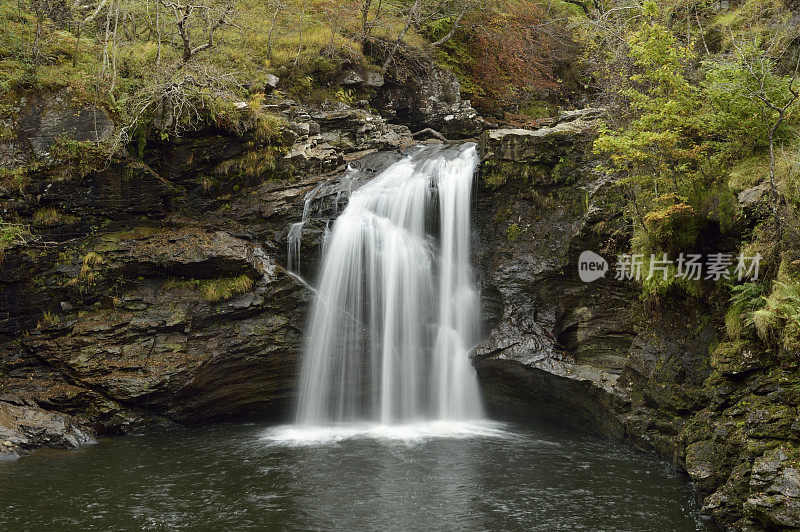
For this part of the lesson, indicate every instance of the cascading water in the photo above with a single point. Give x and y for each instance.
(396, 311)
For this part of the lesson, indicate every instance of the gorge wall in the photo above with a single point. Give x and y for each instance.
(597, 356)
(156, 296)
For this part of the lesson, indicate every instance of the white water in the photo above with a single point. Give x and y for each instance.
(396, 312)
(407, 433)
(343, 187)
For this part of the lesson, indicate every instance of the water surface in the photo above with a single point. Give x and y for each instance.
(485, 476)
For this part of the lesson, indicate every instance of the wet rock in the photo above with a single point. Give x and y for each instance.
(768, 420)
(170, 352)
(24, 427)
(586, 354)
(323, 199)
(703, 463)
(556, 345)
(775, 490)
(533, 147)
(314, 155)
(422, 95)
(735, 359)
(126, 189)
(183, 159)
(188, 252)
(164, 301)
(519, 380)
(327, 135)
(43, 120)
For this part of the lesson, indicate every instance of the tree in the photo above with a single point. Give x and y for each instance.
(84, 12)
(278, 7)
(660, 141)
(429, 12)
(42, 9)
(366, 27)
(775, 95)
(515, 51)
(203, 16)
(755, 86)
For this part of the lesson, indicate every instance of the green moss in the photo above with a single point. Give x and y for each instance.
(213, 290)
(50, 216)
(79, 157)
(10, 234)
(496, 173)
(538, 109)
(513, 232)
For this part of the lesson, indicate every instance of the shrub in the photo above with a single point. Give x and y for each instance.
(672, 229)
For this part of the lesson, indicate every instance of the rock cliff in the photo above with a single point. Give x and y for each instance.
(595, 356)
(152, 292)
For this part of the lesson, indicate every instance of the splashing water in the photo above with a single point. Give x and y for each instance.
(396, 312)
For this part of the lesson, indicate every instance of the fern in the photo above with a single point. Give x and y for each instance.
(778, 321)
(746, 300)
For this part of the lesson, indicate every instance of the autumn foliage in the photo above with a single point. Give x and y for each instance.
(513, 52)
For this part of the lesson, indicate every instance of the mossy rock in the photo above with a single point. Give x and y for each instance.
(737, 358)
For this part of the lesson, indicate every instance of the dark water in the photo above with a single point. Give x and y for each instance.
(491, 477)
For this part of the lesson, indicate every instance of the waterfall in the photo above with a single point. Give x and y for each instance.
(395, 311)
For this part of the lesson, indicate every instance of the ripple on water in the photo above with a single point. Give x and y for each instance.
(432, 476)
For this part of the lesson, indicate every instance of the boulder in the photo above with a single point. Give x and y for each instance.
(755, 201)
(537, 145)
(350, 77)
(271, 82)
(373, 80)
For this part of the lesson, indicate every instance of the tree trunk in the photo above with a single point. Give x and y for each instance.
(77, 43)
(158, 32)
(409, 21)
(114, 50)
(773, 188)
(365, 29)
(300, 36)
(278, 9)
